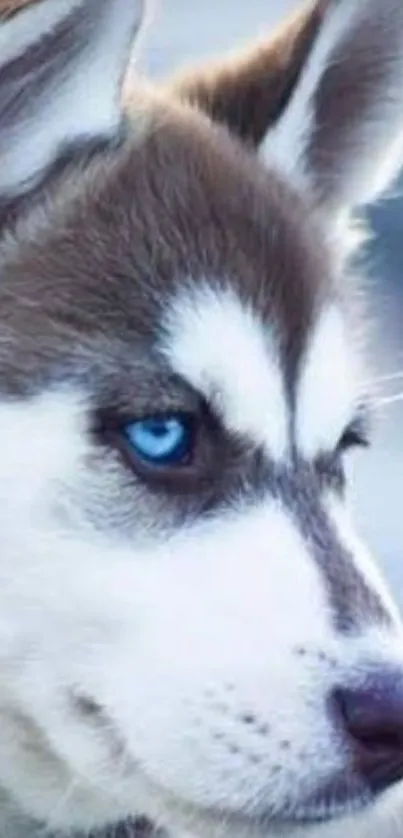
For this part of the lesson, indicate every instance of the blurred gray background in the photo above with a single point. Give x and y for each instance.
(183, 31)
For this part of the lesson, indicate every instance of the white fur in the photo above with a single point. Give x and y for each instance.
(176, 640)
(329, 391)
(222, 348)
(85, 104)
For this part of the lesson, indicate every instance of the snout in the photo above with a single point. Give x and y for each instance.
(367, 723)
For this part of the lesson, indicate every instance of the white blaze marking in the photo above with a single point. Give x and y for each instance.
(327, 394)
(218, 344)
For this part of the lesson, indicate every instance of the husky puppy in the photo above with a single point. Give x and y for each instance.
(190, 629)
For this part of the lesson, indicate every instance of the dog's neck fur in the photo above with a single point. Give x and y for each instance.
(14, 824)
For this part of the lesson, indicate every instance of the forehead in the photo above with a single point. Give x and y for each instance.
(185, 202)
(185, 247)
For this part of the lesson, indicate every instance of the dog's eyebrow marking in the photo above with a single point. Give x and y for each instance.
(328, 395)
(216, 342)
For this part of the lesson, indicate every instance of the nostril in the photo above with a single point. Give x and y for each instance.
(366, 723)
(372, 718)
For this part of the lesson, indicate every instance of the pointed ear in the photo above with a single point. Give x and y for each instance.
(342, 131)
(62, 63)
(248, 90)
(329, 93)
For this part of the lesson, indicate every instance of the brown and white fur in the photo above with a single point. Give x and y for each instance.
(170, 638)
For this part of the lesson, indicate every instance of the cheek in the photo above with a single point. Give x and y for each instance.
(228, 606)
(230, 599)
(237, 582)
(218, 678)
(181, 644)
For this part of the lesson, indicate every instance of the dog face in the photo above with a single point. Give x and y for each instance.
(189, 625)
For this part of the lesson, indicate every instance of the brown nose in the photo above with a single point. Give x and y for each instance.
(373, 720)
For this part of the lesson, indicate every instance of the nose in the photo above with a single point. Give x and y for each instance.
(372, 717)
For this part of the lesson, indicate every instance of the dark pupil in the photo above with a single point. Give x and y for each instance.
(158, 427)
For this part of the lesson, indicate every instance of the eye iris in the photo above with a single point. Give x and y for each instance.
(160, 440)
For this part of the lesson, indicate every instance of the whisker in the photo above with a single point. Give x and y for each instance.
(392, 376)
(388, 400)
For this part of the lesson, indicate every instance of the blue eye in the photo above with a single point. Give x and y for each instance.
(160, 440)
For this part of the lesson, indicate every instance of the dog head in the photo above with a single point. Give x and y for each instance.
(189, 627)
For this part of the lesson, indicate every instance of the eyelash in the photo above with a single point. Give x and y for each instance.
(355, 436)
(331, 468)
